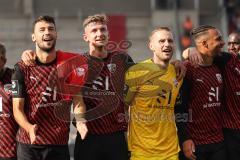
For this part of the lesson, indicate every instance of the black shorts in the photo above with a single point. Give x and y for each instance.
(42, 152)
(215, 151)
(101, 147)
(8, 158)
(232, 140)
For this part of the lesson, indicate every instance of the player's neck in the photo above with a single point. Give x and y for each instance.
(45, 57)
(99, 52)
(207, 60)
(161, 63)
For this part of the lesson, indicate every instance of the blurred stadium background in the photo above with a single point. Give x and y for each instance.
(130, 20)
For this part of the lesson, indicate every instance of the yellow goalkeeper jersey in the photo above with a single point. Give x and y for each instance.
(152, 94)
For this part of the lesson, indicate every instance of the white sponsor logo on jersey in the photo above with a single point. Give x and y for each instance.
(199, 80)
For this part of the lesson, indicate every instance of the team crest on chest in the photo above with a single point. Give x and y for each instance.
(8, 88)
(112, 67)
(219, 77)
(80, 71)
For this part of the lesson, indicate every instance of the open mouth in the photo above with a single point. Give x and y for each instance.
(167, 51)
(47, 40)
(100, 40)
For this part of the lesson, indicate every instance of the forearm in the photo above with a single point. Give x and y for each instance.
(79, 108)
(19, 115)
(182, 115)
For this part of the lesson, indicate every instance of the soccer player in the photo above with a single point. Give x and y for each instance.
(152, 92)
(37, 104)
(230, 66)
(102, 100)
(8, 125)
(202, 138)
(234, 43)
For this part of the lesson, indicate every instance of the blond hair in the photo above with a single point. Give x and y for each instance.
(97, 18)
(158, 29)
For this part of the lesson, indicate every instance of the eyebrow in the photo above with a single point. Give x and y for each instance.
(218, 37)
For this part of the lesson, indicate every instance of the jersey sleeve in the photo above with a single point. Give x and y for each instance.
(18, 84)
(131, 85)
(129, 62)
(182, 112)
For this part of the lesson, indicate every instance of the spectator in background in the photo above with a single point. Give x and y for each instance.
(187, 27)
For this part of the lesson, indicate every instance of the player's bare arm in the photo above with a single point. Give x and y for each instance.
(192, 55)
(21, 119)
(79, 112)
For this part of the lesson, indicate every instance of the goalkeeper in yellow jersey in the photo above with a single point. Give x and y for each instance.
(152, 89)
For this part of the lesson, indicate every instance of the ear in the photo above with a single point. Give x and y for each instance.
(150, 46)
(33, 38)
(205, 44)
(85, 37)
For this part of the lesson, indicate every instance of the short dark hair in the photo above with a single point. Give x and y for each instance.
(45, 18)
(2, 49)
(101, 18)
(201, 30)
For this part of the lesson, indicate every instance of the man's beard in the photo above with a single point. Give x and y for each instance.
(166, 60)
(48, 50)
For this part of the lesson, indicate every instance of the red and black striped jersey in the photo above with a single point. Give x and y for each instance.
(8, 125)
(231, 72)
(103, 93)
(203, 104)
(46, 103)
